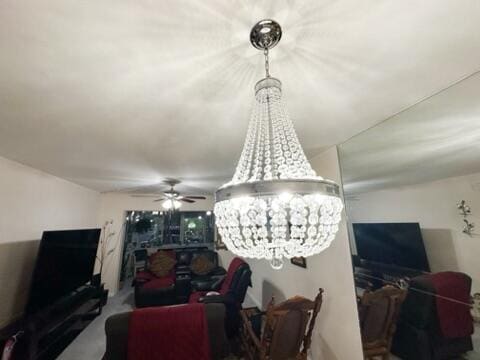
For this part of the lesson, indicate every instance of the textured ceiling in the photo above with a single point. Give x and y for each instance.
(117, 94)
(436, 139)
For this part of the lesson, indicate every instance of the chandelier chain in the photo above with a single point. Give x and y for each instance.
(273, 170)
(267, 64)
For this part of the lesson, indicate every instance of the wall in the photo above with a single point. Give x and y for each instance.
(337, 333)
(433, 205)
(31, 202)
(113, 207)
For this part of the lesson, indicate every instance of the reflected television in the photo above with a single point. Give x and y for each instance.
(397, 244)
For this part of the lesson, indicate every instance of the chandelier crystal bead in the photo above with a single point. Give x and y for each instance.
(275, 206)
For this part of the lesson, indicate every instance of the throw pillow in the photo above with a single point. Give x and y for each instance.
(202, 265)
(161, 263)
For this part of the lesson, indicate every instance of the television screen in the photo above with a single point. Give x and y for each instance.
(65, 262)
(398, 244)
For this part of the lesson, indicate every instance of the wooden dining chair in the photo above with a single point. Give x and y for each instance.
(285, 330)
(378, 312)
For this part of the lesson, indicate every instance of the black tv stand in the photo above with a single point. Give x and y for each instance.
(48, 332)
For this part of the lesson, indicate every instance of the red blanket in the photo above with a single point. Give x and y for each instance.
(169, 333)
(453, 297)
(234, 264)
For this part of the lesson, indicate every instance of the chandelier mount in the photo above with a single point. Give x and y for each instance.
(265, 34)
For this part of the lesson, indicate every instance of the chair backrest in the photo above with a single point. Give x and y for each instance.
(185, 256)
(209, 254)
(289, 325)
(237, 280)
(379, 312)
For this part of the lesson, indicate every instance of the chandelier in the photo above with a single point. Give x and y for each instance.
(275, 206)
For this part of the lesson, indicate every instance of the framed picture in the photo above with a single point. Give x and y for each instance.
(299, 261)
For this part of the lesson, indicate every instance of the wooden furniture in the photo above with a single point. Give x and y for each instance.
(285, 329)
(378, 311)
(48, 332)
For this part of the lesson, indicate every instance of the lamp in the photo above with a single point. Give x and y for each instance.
(275, 206)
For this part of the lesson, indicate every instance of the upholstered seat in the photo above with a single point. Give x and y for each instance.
(152, 290)
(235, 283)
(232, 290)
(117, 332)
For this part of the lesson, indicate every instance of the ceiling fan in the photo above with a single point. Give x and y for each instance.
(172, 199)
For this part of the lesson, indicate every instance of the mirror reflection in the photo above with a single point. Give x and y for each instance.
(412, 196)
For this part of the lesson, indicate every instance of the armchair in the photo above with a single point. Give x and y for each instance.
(231, 289)
(233, 285)
(151, 290)
(419, 334)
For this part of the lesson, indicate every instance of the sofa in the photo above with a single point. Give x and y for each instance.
(117, 330)
(175, 287)
(419, 333)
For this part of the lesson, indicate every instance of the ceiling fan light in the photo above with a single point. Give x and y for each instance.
(171, 204)
(176, 204)
(167, 204)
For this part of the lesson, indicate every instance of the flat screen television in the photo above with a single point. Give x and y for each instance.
(65, 262)
(398, 244)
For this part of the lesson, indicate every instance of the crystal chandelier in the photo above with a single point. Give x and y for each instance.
(275, 206)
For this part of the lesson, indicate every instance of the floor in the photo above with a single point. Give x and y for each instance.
(90, 344)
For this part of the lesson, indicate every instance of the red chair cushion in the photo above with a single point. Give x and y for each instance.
(144, 275)
(159, 283)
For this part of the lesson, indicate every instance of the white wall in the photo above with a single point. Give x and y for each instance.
(433, 205)
(337, 333)
(113, 207)
(31, 202)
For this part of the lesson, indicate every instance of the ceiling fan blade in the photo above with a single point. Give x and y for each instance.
(187, 200)
(195, 197)
(161, 199)
(144, 195)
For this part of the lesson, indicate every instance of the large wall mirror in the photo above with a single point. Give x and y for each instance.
(412, 196)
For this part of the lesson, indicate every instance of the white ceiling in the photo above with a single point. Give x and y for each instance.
(435, 139)
(115, 94)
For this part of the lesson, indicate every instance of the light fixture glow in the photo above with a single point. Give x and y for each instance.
(171, 204)
(275, 206)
